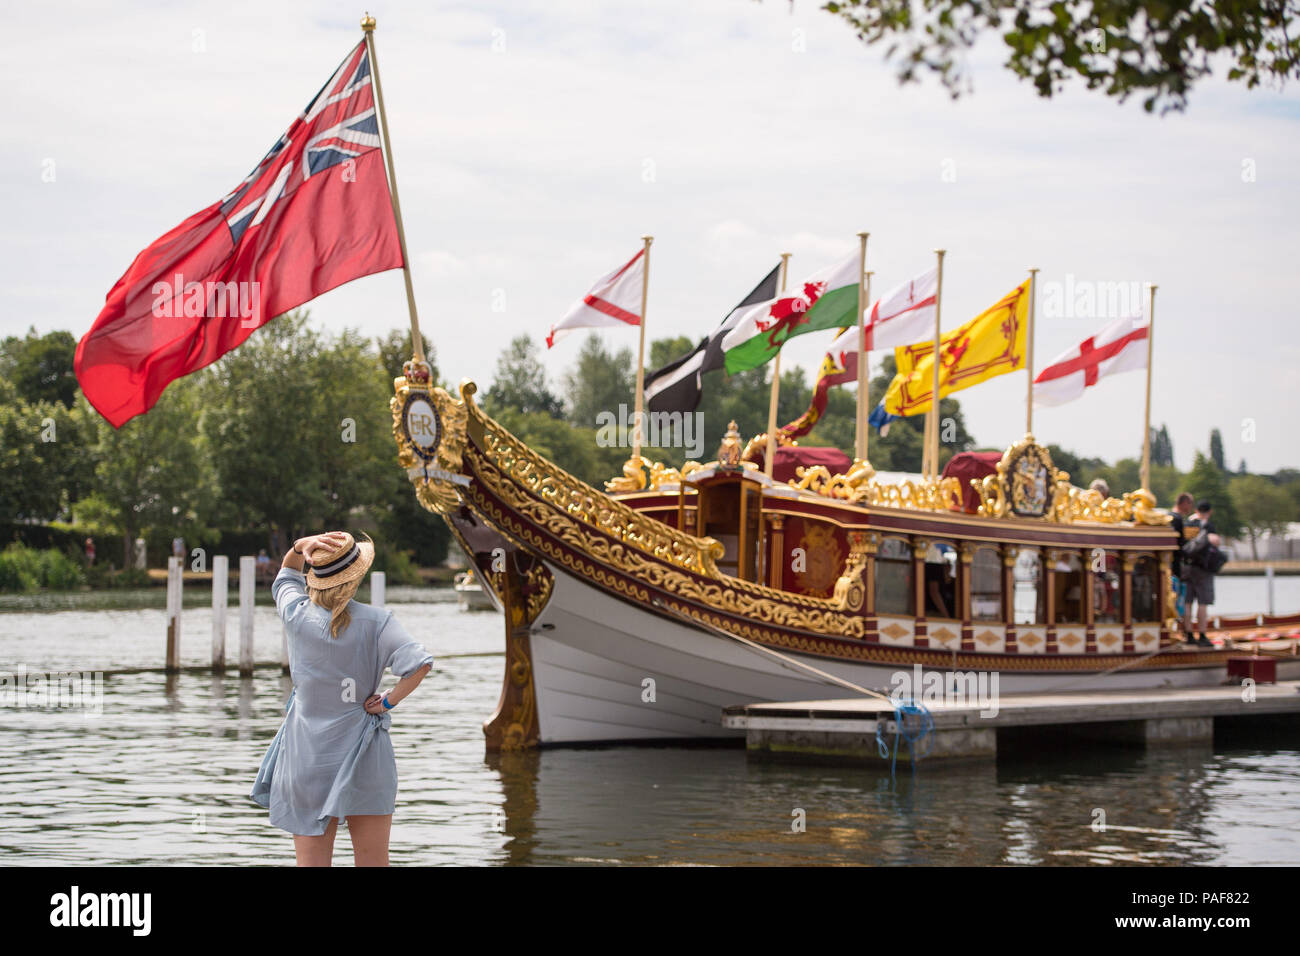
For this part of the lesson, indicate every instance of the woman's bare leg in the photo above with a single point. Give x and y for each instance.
(370, 838)
(316, 850)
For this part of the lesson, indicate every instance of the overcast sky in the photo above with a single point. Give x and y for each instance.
(537, 141)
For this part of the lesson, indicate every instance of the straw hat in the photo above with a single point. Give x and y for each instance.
(341, 565)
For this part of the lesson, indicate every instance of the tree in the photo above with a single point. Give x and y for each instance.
(1261, 507)
(520, 382)
(41, 366)
(150, 473)
(1206, 481)
(1216, 450)
(600, 381)
(1158, 50)
(395, 349)
(1162, 448)
(47, 455)
(299, 428)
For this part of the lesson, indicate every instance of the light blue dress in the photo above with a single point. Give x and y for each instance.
(330, 758)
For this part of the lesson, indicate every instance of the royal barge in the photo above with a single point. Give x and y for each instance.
(637, 613)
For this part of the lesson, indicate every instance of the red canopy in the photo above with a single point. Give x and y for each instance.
(966, 465)
(789, 458)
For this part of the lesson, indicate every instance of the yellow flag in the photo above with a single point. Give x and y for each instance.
(992, 343)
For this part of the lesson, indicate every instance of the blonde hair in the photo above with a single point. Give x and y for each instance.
(335, 600)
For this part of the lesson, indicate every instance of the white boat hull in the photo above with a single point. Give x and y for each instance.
(606, 670)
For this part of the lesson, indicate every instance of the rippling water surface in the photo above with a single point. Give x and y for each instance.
(161, 776)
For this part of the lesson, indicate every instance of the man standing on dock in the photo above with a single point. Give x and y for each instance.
(1200, 580)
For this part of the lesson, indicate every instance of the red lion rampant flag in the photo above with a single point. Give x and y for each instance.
(315, 213)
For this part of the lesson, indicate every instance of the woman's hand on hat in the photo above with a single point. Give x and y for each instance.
(330, 539)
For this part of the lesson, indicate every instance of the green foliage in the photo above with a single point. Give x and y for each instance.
(600, 381)
(520, 382)
(151, 471)
(24, 569)
(1157, 50)
(1261, 507)
(397, 565)
(47, 455)
(1206, 480)
(40, 367)
(1162, 447)
(1216, 450)
(298, 428)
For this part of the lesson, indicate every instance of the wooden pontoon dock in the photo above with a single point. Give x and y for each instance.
(847, 729)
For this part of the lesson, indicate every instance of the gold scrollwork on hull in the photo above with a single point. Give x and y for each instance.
(641, 474)
(552, 491)
(731, 595)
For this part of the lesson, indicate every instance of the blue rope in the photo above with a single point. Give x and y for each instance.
(913, 723)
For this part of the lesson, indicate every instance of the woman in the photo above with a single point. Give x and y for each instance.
(332, 756)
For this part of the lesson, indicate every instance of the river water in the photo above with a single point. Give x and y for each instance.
(160, 775)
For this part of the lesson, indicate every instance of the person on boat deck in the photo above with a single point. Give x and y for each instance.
(940, 582)
(1200, 581)
(1099, 485)
(1183, 509)
(332, 756)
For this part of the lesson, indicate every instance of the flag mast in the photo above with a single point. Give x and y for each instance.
(934, 394)
(864, 296)
(417, 340)
(1146, 418)
(1029, 350)
(769, 459)
(640, 354)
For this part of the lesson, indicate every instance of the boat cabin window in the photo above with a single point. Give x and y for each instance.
(894, 588)
(941, 581)
(1146, 589)
(1106, 608)
(1068, 575)
(1030, 597)
(986, 585)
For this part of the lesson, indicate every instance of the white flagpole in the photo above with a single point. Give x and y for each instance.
(864, 299)
(640, 355)
(770, 457)
(1146, 418)
(934, 394)
(417, 340)
(1029, 350)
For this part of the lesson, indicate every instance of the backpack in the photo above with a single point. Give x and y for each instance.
(1213, 559)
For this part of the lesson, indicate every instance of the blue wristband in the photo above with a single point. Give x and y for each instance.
(384, 701)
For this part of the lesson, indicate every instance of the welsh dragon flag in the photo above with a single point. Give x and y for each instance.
(827, 299)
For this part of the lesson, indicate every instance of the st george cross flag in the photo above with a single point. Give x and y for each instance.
(1119, 347)
(615, 299)
(315, 213)
(677, 386)
(900, 316)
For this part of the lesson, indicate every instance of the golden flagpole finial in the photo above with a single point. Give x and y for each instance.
(368, 23)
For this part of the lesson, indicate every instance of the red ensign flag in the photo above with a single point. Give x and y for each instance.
(314, 214)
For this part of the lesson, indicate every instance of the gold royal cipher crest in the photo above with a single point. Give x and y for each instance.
(429, 427)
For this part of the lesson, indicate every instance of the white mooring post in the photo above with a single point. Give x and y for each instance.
(220, 586)
(247, 586)
(174, 595)
(1268, 574)
(378, 588)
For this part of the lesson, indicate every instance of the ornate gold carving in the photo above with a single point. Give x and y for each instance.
(641, 474)
(920, 548)
(1029, 640)
(942, 634)
(1028, 485)
(823, 559)
(850, 589)
(435, 487)
(987, 638)
(894, 630)
(646, 549)
(860, 487)
(730, 452)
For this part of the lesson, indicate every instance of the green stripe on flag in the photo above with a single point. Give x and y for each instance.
(836, 309)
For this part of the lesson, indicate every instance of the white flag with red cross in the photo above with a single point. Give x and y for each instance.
(615, 299)
(1120, 347)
